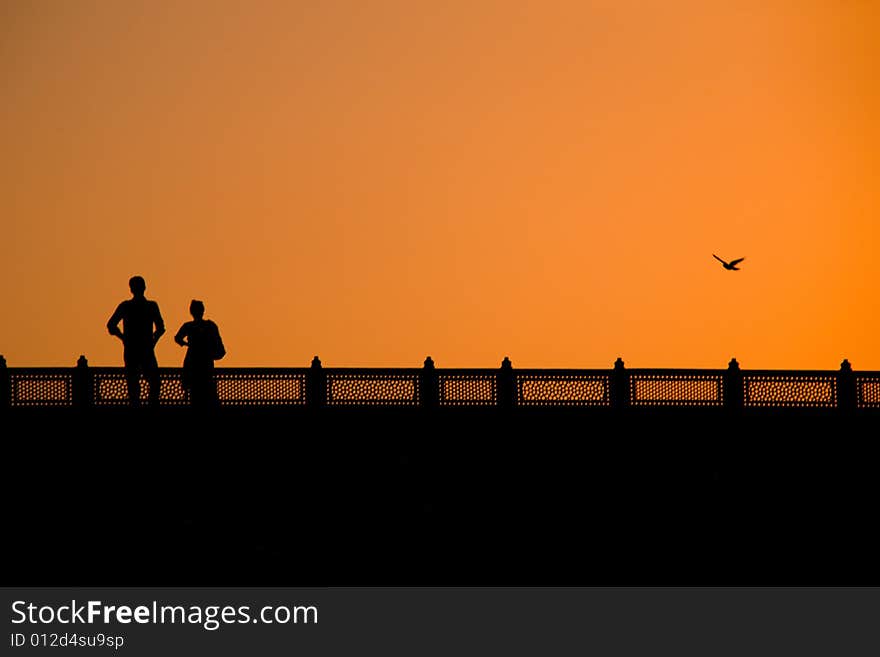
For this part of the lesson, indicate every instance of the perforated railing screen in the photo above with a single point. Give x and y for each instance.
(789, 389)
(107, 386)
(676, 388)
(548, 388)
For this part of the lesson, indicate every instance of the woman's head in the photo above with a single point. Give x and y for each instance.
(196, 309)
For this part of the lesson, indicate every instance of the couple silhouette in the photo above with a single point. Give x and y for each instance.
(142, 326)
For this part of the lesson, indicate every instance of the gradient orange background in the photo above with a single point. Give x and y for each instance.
(378, 181)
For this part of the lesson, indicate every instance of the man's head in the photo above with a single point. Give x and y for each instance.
(197, 309)
(137, 285)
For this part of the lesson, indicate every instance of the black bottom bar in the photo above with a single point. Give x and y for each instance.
(470, 497)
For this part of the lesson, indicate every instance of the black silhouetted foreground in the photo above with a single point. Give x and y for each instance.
(472, 496)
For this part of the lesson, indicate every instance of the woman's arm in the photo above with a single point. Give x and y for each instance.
(180, 337)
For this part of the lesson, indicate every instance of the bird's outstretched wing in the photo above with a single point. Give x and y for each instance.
(737, 261)
(718, 259)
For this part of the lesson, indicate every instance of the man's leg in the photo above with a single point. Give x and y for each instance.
(151, 371)
(133, 382)
(213, 398)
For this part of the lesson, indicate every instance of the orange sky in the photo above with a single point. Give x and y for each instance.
(378, 181)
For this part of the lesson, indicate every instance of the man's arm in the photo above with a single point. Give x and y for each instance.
(113, 323)
(160, 325)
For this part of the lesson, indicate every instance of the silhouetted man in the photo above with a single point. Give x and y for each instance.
(138, 316)
(202, 339)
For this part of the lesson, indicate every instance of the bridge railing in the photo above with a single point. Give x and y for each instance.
(504, 387)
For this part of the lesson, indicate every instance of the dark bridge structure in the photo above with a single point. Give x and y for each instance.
(429, 475)
(431, 387)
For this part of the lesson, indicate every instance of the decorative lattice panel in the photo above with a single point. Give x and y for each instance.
(675, 389)
(562, 390)
(372, 389)
(171, 392)
(111, 389)
(47, 387)
(805, 390)
(868, 387)
(261, 388)
(468, 389)
(44, 389)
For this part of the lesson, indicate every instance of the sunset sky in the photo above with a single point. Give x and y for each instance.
(378, 181)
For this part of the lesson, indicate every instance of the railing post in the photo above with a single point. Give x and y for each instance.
(733, 386)
(5, 387)
(506, 385)
(619, 385)
(82, 384)
(847, 394)
(315, 391)
(428, 383)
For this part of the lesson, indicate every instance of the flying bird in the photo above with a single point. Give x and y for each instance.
(732, 265)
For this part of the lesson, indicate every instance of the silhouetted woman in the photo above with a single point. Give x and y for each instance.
(201, 337)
